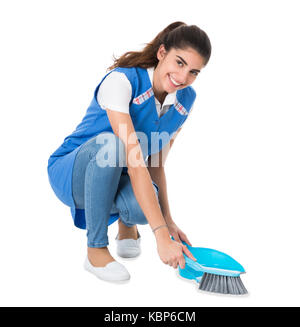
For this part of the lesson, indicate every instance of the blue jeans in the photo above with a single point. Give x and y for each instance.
(102, 191)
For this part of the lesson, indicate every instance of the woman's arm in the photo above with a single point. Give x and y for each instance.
(122, 126)
(157, 174)
(170, 252)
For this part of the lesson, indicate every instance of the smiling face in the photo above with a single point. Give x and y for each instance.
(176, 70)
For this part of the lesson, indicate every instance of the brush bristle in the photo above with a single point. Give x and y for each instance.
(222, 284)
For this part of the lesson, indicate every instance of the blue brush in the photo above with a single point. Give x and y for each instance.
(215, 271)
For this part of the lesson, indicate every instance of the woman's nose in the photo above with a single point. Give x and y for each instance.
(183, 77)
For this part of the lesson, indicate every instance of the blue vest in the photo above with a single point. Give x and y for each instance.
(145, 119)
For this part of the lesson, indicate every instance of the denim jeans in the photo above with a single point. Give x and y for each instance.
(102, 190)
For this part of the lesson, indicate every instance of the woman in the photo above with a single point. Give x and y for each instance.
(112, 166)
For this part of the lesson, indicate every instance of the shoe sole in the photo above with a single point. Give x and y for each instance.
(129, 254)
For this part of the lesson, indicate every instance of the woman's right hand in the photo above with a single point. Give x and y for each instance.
(171, 252)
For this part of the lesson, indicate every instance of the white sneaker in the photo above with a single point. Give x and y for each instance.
(129, 248)
(112, 272)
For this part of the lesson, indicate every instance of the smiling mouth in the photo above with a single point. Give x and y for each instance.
(173, 82)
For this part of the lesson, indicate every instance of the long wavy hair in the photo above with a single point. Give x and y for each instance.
(177, 35)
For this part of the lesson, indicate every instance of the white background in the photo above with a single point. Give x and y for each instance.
(233, 173)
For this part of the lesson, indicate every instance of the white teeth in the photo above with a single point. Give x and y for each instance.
(175, 83)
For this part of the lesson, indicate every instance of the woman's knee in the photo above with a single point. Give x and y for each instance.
(130, 210)
(127, 204)
(90, 155)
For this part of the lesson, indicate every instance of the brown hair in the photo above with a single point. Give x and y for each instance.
(177, 35)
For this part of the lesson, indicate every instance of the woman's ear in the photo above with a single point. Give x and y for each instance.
(161, 52)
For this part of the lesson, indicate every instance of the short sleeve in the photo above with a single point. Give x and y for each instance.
(115, 92)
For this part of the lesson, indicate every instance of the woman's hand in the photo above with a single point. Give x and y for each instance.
(171, 252)
(177, 233)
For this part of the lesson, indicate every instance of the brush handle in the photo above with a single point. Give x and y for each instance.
(210, 270)
(193, 264)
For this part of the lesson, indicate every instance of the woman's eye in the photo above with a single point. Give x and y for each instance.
(195, 73)
(179, 62)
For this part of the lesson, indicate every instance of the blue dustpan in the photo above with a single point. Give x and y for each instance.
(215, 271)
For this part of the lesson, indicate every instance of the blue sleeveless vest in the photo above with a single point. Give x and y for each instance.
(145, 119)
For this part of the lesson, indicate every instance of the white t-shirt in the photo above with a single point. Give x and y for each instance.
(115, 94)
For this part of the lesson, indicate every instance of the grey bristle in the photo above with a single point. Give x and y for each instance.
(211, 286)
(222, 284)
(204, 282)
(230, 287)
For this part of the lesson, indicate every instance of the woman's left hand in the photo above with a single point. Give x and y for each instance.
(177, 233)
